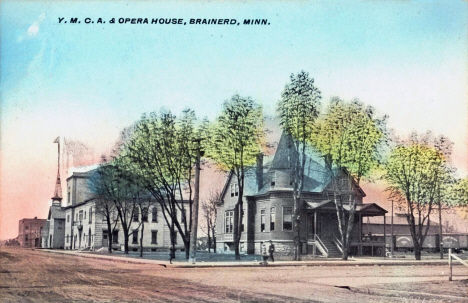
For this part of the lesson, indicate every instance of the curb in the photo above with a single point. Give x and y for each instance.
(251, 264)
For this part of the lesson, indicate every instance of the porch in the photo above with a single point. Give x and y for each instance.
(323, 236)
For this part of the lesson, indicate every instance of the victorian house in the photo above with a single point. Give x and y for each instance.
(268, 207)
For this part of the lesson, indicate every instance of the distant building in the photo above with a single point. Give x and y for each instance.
(375, 225)
(30, 232)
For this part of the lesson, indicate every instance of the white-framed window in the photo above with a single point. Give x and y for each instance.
(154, 237)
(234, 189)
(287, 218)
(228, 221)
(273, 178)
(272, 218)
(135, 237)
(262, 220)
(136, 214)
(154, 214)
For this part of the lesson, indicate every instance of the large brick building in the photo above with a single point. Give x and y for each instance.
(30, 232)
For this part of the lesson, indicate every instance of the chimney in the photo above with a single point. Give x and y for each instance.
(259, 171)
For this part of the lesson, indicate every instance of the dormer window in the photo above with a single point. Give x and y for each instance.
(344, 184)
(273, 179)
(234, 190)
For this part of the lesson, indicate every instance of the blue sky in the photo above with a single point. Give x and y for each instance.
(88, 81)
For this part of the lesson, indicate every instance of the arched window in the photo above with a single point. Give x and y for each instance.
(154, 214)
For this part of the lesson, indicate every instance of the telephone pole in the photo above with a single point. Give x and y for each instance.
(196, 198)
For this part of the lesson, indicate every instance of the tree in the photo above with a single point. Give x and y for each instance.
(459, 194)
(417, 171)
(349, 136)
(101, 184)
(161, 153)
(234, 145)
(298, 109)
(209, 208)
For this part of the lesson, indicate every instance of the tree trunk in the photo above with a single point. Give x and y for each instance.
(237, 223)
(109, 236)
(125, 230)
(214, 240)
(209, 241)
(187, 249)
(417, 252)
(141, 238)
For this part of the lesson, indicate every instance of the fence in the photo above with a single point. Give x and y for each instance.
(450, 262)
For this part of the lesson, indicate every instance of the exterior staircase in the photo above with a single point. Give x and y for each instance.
(333, 250)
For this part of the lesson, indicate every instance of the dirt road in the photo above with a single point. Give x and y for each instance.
(35, 276)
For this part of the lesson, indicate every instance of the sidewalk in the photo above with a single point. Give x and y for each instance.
(255, 263)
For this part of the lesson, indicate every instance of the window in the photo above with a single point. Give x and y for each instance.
(104, 234)
(135, 237)
(154, 237)
(272, 218)
(68, 218)
(344, 184)
(68, 196)
(262, 220)
(68, 238)
(81, 215)
(90, 215)
(135, 214)
(292, 177)
(234, 190)
(228, 221)
(244, 219)
(154, 215)
(85, 214)
(115, 236)
(60, 223)
(26, 227)
(287, 218)
(144, 214)
(273, 178)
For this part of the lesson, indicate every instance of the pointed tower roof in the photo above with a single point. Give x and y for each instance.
(57, 198)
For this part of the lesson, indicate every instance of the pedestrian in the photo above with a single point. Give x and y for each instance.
(271, 250)
(171, 254)
(264, 252)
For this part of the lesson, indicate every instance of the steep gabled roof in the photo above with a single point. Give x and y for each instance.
(56, 212)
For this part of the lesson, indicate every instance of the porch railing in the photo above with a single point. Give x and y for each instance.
(319, 244)
(338, 243)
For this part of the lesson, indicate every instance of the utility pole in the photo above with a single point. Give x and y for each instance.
(196, 198)
(392, 233)
(441, 242)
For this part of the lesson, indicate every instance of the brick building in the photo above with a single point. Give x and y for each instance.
(30, 232)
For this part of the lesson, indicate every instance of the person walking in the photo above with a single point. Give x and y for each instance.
(271, 250)
(264, 252)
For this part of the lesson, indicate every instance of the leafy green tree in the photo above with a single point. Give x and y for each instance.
(298, 109)
(460, 194)
(418, 170)
(161, 154)
(349, 136)
(234, 145)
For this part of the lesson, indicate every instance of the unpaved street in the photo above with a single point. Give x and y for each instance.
(37, 276)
